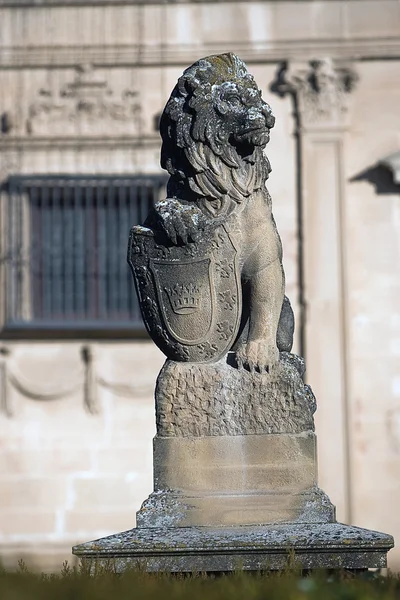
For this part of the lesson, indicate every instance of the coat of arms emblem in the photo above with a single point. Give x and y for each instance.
(189, 295)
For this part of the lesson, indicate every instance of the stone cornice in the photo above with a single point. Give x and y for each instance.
(8, 143)
(137, 55)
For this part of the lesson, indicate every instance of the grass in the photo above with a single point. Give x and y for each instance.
(77, 584)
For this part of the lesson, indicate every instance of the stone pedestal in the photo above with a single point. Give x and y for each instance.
(235, 468)
(235, 480)
(251, 548)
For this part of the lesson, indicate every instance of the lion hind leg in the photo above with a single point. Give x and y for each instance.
(284, 334)
(266, 297)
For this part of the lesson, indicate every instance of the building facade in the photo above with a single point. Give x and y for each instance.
(82, 84)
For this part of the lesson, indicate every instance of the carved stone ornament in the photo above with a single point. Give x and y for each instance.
(322, 88)
(190, 296)
(214, 239)
(235, 460)
(85, 106)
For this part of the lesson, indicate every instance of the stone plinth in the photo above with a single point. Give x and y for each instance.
(234, 447)
(273, 547)
(235, 480)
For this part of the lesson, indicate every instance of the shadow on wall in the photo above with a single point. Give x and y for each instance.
(380, 177)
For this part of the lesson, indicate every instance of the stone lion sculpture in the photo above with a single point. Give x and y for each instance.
(214, 129)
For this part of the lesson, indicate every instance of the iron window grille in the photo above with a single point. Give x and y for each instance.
(64, 250)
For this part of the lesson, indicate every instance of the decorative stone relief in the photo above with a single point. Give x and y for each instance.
(322, 87)
(85, 379)
(214, 238)
(85, 106)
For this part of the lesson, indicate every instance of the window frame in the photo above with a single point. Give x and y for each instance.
(73, 330)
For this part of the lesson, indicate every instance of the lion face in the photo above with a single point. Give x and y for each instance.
(245, 117)
(214, 128)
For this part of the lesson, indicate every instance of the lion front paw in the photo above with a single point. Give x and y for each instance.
(258, 356)
(181, 222)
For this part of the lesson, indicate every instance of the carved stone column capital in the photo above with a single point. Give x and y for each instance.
(323, 91)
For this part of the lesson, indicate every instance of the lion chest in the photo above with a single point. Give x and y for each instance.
(260, 244)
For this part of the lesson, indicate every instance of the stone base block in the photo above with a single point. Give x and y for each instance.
(240, 464)
(219, 549)
(167, 508)
(235, 480)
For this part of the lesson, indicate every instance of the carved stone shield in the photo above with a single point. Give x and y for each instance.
(189, 296)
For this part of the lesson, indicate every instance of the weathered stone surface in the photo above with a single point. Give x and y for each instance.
(208, 262)
(189, 295)
(235, 480)
(237, 464)
(194, 549)
(169, 508)
(218, 399)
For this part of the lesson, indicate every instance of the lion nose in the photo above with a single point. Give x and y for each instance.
(269, 117)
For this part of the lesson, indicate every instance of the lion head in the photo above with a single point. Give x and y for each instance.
(214, 128)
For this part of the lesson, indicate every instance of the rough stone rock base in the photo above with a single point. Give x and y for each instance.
(217, 399)
(249, 548)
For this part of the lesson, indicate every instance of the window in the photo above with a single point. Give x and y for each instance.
(65, 250)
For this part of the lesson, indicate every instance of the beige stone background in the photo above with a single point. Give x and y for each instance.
(76, 468)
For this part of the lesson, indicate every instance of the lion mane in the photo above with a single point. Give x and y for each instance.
(209, 149)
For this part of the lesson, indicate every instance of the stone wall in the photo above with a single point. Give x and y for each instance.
(69, 471)
(372, 232)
